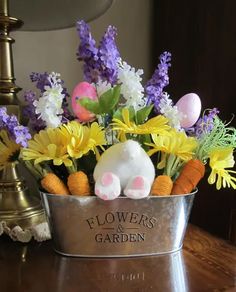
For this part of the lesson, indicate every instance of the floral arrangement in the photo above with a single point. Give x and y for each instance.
(66, 135)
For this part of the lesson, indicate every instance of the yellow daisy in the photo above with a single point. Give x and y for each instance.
(175, 143)
(156, 125)
(75, 136)
(96, 138)
(9, 150)
(220, 159)
(45, 146)
(81, 139)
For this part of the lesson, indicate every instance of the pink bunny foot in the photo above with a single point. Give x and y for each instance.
(138, 187)
(107, 187)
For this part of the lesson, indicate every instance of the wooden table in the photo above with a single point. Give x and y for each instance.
(205, 264)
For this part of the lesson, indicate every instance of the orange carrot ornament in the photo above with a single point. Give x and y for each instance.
(54, 185)
(192, 172)
(49, 181)
(78, 184)
(162, 186)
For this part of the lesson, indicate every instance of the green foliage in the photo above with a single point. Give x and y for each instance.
(109, 99)
(90, 105)
(143, 114)
(106, 103)
(143, 140)
(118, 114)
(220, 136)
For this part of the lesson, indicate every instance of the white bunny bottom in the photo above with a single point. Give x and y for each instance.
(108, 187)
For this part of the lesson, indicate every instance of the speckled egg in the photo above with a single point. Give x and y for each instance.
(190, 106)
(81, 90)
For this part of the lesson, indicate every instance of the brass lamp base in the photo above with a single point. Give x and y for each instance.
(17, 205)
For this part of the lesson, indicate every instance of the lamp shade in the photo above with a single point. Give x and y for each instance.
(56, 14)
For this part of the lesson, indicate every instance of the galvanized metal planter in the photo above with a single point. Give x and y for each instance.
(90, 227)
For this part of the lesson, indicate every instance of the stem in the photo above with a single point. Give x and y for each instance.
(169, 164)
(36, 170)
(173, 164)
(73, 167)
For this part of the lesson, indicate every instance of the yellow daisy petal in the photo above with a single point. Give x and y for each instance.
(9, 150)
(156, 125)
(47, 145)
(220, 159)
(175, 143)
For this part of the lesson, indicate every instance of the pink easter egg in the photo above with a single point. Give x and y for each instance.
(81, 90)
(190, 106)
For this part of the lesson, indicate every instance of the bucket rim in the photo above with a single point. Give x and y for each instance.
(94, 197)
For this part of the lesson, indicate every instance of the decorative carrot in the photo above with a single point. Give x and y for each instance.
(54, 185)
(162, 186)
(78, 184)
(192, 172)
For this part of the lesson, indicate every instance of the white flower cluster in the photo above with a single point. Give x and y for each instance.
(131, 87)
(49, 105)
(170, 111)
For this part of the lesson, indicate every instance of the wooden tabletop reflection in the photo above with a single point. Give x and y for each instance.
(204, 264)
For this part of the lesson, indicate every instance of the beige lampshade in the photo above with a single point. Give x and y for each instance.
(56, 14)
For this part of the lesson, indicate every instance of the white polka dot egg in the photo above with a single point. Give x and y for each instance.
(190, 106)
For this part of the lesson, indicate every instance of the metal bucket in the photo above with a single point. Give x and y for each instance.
(90, 227)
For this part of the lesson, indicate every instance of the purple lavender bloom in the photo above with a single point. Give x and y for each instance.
(99, 63)
(205, 124)
(3, 116)
(12, 122)
(160, 79)
(41, 80)
(30, 96)
(17, 132)
(22, 135)
(109, 56)
(87, 52)
(87, 48)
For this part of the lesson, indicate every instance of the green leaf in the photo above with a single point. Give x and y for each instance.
(118, 114)
(116, 95)
(90, 105)
(144, 139)
(109, 99)
(131, 113)
(142, 114)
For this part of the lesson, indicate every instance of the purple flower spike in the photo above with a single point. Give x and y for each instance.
(3, 116)
(109, 56)
(160, 79)
(87, 48)
(87, 52)
(18, 133)
(99, 63)
(205, 124)
(22, 135)
(41, 80)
